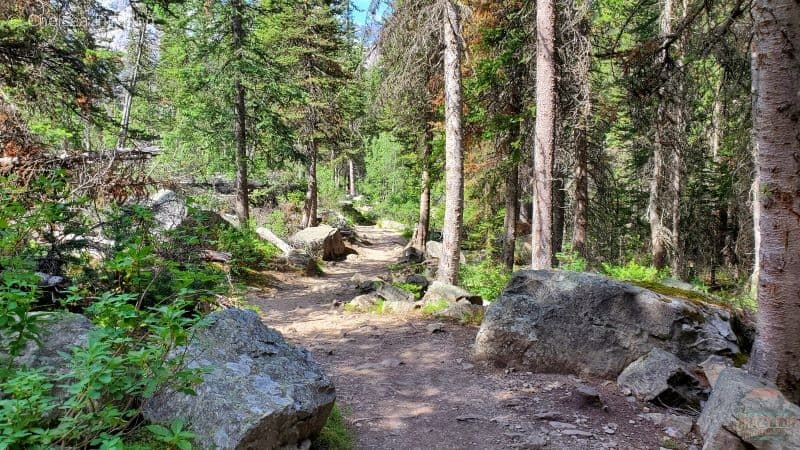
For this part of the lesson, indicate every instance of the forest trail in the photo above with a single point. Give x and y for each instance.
(402, 387)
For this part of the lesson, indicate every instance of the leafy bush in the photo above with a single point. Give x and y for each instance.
(413, 288)
(633, 271)
(276, 222)
(143, 305)
(487, 278)
(568, 259)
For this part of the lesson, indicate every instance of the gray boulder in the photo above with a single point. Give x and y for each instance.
(661, 377)
(168, 208)
(259, 392)
(322, 241)
(453, 294)
(583, 323)
(745, 412)
(433, 250)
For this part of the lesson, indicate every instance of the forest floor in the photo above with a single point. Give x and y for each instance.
(401, 386)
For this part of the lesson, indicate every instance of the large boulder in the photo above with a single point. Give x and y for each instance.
(434, 249)
(60, 333)
(745, 412)
(661, 377)
(323, 241)
(258, 392)
(453, 294)
(169, 209)
(583, 323)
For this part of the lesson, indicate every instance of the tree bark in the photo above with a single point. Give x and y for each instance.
(454, 162)
(580, 219)
(131, 87)
(544, 142)
(240, 124)
(420, 239)
(351, 175)
(559, 199)
(776, 113)
(309, 218)
(512, 204)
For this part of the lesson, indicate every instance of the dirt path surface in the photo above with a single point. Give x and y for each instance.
(402, 387)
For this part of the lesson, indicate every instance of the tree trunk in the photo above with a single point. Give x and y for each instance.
(544, 142)
(454, 162)
(559, 200)
(420, 239)
(512, 204)
(240, 128)
(776, 111)
(351, 176)
(580, 219)
(310, 207)
(131, 87)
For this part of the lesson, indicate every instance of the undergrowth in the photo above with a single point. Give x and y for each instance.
(335, 435)
(486, 278)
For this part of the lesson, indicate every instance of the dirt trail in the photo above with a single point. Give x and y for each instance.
(402, 387)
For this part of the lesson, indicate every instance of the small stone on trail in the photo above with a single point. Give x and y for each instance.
(588, 396)
(435, 328)
(467, 418)
(562, 425)
(547, 415)
(610, 428)
(577, 433)
(535, 441)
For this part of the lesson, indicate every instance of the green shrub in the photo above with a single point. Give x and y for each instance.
(487, 278)
(633, 271)
(276, 222)
(569, 259)
(413, 288)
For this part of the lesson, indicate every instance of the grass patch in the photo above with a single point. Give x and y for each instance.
(435, 307)
(473, 318)
(413, 288)
(335, 435)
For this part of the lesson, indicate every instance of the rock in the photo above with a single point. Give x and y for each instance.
(535, 441)
(744, 411)
(259, 391)
(323, 241)
(588, 396)
(453, 294)
(352, 257)
(578, 433)
(433, 250)
(364, 284)
(169, 210)
(568, 322)
(60, 333)
(393, 293)
(418, 280)
(610, 428)
(561, 425)
(411, 256)
(661, 377)
(677, 426)
(363, 302)
(435, 328)
(713, 366)
(656, 418)
(462, 311)
(267, 235)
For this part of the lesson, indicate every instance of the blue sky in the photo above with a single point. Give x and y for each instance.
(361, 16)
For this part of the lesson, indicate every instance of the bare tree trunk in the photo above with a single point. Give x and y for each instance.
(240, 124)
(310, 207)
(454, 158)
(559, 199)
(122, 136)
(776, 108)
(544, 144)
(351, 174)
(580, 219)
(420, 239)
(512, 204)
